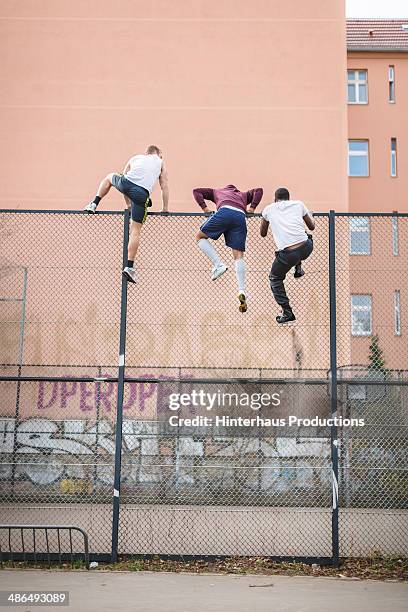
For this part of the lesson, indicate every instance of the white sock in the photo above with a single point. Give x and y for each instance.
(207, 248)
(240, 269)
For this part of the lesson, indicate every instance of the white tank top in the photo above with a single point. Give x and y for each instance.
(144, 171)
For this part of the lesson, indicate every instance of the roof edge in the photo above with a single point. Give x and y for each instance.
(378, 49)
(377, 19)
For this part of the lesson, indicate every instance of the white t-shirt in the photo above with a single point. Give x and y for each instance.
(144, 170)
(286, 221)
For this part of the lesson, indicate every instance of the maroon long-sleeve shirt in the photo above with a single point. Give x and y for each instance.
(229, 196)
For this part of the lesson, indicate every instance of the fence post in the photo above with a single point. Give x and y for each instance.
(333, 388)
(119, 403)
(23, 300)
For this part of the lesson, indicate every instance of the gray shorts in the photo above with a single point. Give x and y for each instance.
(139, 197)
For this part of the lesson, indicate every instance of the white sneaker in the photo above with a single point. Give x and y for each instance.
(90, 208)
(218, 271)
(130, 274)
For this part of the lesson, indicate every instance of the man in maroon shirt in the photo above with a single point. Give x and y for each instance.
(229, 220)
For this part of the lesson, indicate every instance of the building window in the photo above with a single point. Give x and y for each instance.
(357, 87)
(393, 157)
(359, 228)
(391, 84)
(361, 317)
(358, 157)
(397, 313)
(395, 235)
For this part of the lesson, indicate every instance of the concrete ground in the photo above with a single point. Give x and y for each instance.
(98, 591)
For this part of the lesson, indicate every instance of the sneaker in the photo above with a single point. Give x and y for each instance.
(130, 274)
(299, 272)
(286, 317)
(243, 306)
(91, 208)
(218, 271)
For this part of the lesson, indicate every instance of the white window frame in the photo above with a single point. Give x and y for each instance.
(395, 241)
(359, 230)
(393, 158)
(391, 84)
(355, 332)
(397, 312)
(359, 154)
(356, 81)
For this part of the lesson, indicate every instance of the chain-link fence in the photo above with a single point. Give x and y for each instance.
(95, 430)
(373, 283)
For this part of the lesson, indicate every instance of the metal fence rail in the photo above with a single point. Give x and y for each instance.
(40, 543)
(88, 366)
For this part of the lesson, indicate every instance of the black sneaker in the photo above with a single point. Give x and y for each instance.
(286, 317)
(299, 271)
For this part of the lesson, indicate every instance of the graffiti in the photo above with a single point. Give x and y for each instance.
(42, 447)
(49, 452)
(87, 397)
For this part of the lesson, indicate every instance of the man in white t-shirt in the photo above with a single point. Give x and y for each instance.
(136, 184)
(287, 219)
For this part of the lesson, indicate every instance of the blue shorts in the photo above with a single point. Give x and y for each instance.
(231, 223)
(138, 196)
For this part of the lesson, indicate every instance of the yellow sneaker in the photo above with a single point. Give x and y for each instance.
(243, 306)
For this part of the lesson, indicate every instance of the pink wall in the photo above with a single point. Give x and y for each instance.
(251, 93)
(379, 121)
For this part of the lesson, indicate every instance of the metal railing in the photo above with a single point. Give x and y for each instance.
(25, 548)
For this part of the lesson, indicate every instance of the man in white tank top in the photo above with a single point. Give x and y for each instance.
(136, 184)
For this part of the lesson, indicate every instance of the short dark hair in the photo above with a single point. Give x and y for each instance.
(281, 194)
(153, 149)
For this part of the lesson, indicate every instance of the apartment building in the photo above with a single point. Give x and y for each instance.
(261, 112)
(228, 89)
(377, 96)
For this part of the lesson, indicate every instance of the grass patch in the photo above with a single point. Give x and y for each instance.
(373, 568)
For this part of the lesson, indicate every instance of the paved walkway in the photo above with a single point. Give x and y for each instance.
(98, 591)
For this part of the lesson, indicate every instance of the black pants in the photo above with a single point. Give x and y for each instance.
(284, 261)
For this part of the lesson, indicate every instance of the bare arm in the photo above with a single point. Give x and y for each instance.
(254, 196)
(264, 228)
(202, 194)
(164, 185)
(308, 219)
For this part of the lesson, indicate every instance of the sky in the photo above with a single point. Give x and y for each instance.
(377, 8)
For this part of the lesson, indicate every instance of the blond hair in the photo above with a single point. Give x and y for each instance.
(152, 150)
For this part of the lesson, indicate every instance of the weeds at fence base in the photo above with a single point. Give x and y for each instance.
(373, 568)
(376, 568)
